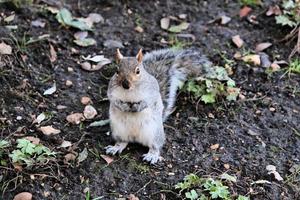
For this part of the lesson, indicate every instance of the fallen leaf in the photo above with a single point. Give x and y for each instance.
(139, 29)
(245, 11)
(100, 123)
(237, 55)
(215, 146)
(80, 35)
(228, 177)
(89, 112)
(275, 67)
(274, 10)
(179, 28)
(69, 83)
(85, 100)
(264, 59)
(85, 42)
(226, 166)
(32, 139)
(82, 155)
(225, 19)
(107, 159)
(75, 118)
(64, 17)
(96, 58)
(9, 18)
(38, 23)
(69, 157)
(23, 196)
(254, 59)
(253, 133)
(51, 90)
(237, 41)
(262, 46)
(53, 55)
(165, 23)
(182, 16)
(49, 130)
(95, 18)
(61, 107)
(113, 44)
(87, 66)
(65, 144)
(261, 182)
(5, 49)
(132, 197)
(272, 170)
(41, 117)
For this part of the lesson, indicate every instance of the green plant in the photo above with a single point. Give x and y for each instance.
(290, 15)
(30, 154)
(294, 66)
(3, 145)
(176, 43)
(250, 2)
(210, 88)
(18, 3)
(197, 188)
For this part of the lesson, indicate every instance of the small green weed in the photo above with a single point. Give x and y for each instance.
(294, 66)
(197, 188)
(30, 154)
(290, 15)
(250, 2)
(176, 43)
(3, 144)
(210, 88)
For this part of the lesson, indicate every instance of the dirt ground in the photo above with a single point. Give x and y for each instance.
(263, 129)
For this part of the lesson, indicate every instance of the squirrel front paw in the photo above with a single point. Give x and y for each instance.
(152, 156)
(117, 148)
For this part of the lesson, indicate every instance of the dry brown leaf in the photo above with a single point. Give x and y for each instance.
(65, 144)
(245, 11)
(215, 146)
(107, 158)
(254, 59)
(23, 196)
(49, 130)
(226, 166)
(262, 46)
(139, 29)
(89, 112)
(75, 118)
(85, 100)
(53, 55)
(274, 10)
(69, 83)
(32, 139)
(132, 197)
(38, 23)
(69, 157)
(80, 35)
(275, 67)
(237, 41)
(165, 23)
(5, 49)
(225, 19)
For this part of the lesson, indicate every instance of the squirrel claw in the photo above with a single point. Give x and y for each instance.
(151, 157)
(117, 148)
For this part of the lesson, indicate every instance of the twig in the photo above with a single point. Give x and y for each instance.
(297, 47)
(143, 187)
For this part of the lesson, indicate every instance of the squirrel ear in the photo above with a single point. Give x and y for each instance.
(119, 56)
(139, 56)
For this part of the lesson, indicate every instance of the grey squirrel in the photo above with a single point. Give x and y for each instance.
(142, 94)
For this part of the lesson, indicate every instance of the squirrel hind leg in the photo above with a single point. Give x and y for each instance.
(153, 156)
(117, 148)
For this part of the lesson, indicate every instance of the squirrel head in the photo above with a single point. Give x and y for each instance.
(130, 69)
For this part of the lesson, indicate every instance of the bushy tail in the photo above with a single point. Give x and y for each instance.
(188, 63)
(172, 68)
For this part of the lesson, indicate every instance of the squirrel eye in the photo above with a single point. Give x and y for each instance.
(137, 70)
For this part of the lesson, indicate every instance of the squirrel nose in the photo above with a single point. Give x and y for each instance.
(125, 84)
